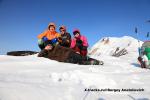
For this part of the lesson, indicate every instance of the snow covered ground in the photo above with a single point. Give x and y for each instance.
(34, 78)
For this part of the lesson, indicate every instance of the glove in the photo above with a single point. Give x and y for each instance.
(55, 40)
(79, 41)
(59, 39)
(44, 38)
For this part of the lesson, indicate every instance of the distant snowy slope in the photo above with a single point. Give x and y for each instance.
(108, 45)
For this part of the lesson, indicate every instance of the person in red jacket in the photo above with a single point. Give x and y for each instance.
(79, 43)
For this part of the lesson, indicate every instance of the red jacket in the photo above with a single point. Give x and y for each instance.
(84, 40)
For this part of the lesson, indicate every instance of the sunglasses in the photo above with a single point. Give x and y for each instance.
(62, 30)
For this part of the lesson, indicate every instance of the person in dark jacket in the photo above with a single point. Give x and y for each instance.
(65, 37)
(64, 54)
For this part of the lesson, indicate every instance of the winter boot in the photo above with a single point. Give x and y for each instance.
(96, 62)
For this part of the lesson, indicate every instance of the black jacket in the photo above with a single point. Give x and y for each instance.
(65, 39)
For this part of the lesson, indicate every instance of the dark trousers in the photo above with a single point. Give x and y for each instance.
(83, 52)
(82, 60)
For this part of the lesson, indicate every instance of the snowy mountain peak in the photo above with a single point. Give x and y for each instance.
(114, 45)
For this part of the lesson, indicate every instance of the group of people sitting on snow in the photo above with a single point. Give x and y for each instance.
(61, 47)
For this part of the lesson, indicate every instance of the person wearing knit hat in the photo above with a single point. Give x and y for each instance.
(79, 43)
(65, 37)
(51, 24)
(50, 35)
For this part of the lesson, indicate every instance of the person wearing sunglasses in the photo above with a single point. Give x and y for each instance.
(65, 37)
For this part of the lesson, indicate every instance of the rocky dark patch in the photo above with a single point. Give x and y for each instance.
(21, 53)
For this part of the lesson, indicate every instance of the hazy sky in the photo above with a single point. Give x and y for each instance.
(22, 20)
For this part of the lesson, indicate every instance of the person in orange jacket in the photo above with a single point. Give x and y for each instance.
(49, 36)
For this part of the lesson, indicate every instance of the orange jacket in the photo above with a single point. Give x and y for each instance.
(50, 35)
